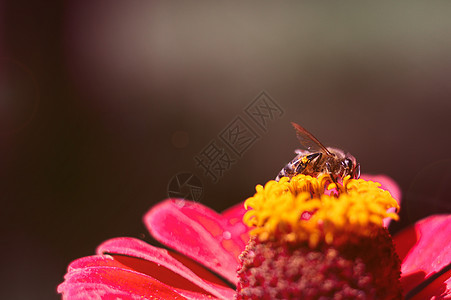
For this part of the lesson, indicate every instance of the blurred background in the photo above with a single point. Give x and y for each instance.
(102, 103)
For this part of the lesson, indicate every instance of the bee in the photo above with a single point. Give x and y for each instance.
(317, 159)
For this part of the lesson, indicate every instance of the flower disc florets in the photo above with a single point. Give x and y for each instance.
(314, 238)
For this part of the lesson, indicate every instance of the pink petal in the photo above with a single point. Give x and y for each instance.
(425, 249)
(234, 215)
(169, 268)
(119, 262)
(199, 233)
(109, 280)
(387, 184)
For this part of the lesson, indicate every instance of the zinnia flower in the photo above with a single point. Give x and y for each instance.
(308, 238)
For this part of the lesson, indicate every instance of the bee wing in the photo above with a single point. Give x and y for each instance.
(308, 140)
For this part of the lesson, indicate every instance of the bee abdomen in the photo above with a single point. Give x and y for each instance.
(289, 170)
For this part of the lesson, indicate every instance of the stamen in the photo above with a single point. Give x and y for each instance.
(349, 209)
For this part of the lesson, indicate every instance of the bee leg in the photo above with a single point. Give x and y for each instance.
(329, 171)
(328, 168)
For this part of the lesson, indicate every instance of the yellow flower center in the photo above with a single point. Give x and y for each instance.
(314, 210)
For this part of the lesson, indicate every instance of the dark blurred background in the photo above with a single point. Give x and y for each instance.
(103, 102)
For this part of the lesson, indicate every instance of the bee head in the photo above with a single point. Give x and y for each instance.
(351, 168)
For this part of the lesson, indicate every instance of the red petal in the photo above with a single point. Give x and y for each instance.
(109, 280)
(438, 289)
(387, 184)
(425, 249)
(197, 232)
(169, 268)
